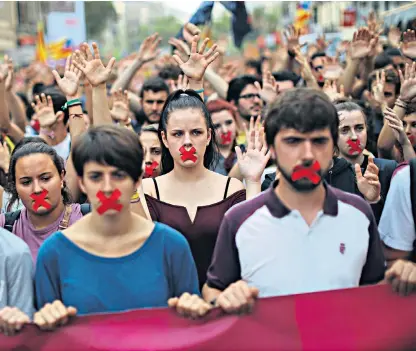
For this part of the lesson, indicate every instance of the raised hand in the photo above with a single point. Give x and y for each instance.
(181, 84)
(228, 70)
(44, 112)
(306, 70)
(332, 69)
(4, 157)
(368, 184)
(189, 31)
(191, 306)
(331, 89)
(292, 37)
(321, 43)
(70, 82)
(181, 48)
(253, 162)
(396, 124)
(12, 320)
(198, 62)
(361, 44)
(120, 111)
(270, 88)
(408, 83)
(408, 46)
(378, 88)
(148, 51)
(10, 76)
(4, 72)
(394, 36)
(92, 66)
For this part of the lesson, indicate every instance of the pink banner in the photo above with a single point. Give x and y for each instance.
(370, 318)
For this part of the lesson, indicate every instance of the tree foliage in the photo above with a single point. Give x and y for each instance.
(98, 14)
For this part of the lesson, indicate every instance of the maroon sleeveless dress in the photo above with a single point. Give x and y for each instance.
(202, 232)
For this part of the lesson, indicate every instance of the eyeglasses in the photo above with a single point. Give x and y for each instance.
(250, 96)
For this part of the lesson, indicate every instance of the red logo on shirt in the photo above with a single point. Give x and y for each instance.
(342, 248)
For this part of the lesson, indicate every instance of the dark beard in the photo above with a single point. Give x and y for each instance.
(302, 185)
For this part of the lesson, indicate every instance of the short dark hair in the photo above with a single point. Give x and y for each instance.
(391, 77)
(254, 64)
(393, 52)
(237, 85)
(382, 60)
(410, 108)
(150, 128)
(155, 84)
(181, 100)
(316, 55)
(58, 100)
(30, 148)
(303, 109)
(27, 140)
(281, 76)
(109, 145)
(170, 72)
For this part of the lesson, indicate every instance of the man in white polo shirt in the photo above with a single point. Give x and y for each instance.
(301, 235)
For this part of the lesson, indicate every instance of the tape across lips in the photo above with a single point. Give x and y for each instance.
(310, 173)
(188, 154)
(40, 200)
(354, 146)
(226, 138)
(149, 169)
(109, 203)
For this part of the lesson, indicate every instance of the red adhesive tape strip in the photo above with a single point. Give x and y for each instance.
(188, 154)
(150, 168)
(109, 203)
(310, 173)
(226, 138)
(354, 146)
(39, 200)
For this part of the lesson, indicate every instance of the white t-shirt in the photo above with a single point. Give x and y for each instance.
(63, 149)
(396, 225)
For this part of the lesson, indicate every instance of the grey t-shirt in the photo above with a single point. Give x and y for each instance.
(16, 273)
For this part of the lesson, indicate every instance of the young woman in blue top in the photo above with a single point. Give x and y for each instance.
(112, 259)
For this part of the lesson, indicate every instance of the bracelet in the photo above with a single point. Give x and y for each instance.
(199, 91)
(71, 103)
(401, 103)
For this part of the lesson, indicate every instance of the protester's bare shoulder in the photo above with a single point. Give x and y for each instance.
(234, 186)
(148, 185)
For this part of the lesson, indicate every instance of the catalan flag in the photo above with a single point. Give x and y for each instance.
(41, 54)
(55, 51)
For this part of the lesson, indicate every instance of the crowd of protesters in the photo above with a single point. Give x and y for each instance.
(214, 183)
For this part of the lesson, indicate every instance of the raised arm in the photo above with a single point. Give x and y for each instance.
(148, 52)
(97, 75)
(69, 85)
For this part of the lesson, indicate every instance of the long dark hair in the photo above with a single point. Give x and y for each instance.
(30, 149)
(181, 100)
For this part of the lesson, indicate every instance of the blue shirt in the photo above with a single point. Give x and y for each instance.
(160, 269)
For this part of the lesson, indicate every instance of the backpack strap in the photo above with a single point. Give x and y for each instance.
(412, 165)
(85, 209)
(10, 219)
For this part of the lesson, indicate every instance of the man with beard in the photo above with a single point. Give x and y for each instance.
(153, 96)
(246, 97)
(302, 235)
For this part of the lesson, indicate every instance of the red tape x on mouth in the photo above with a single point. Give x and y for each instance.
(310, 173)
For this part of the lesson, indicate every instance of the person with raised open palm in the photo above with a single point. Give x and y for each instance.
(92, 66)
(198, 61)
(97, 75)
(69, 84)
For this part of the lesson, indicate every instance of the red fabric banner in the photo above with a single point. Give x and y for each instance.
(370, 318)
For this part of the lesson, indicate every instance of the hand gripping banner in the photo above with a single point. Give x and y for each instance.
(367, 318)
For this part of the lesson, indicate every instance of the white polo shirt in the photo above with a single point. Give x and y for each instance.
(396, 227)
(273, 248)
